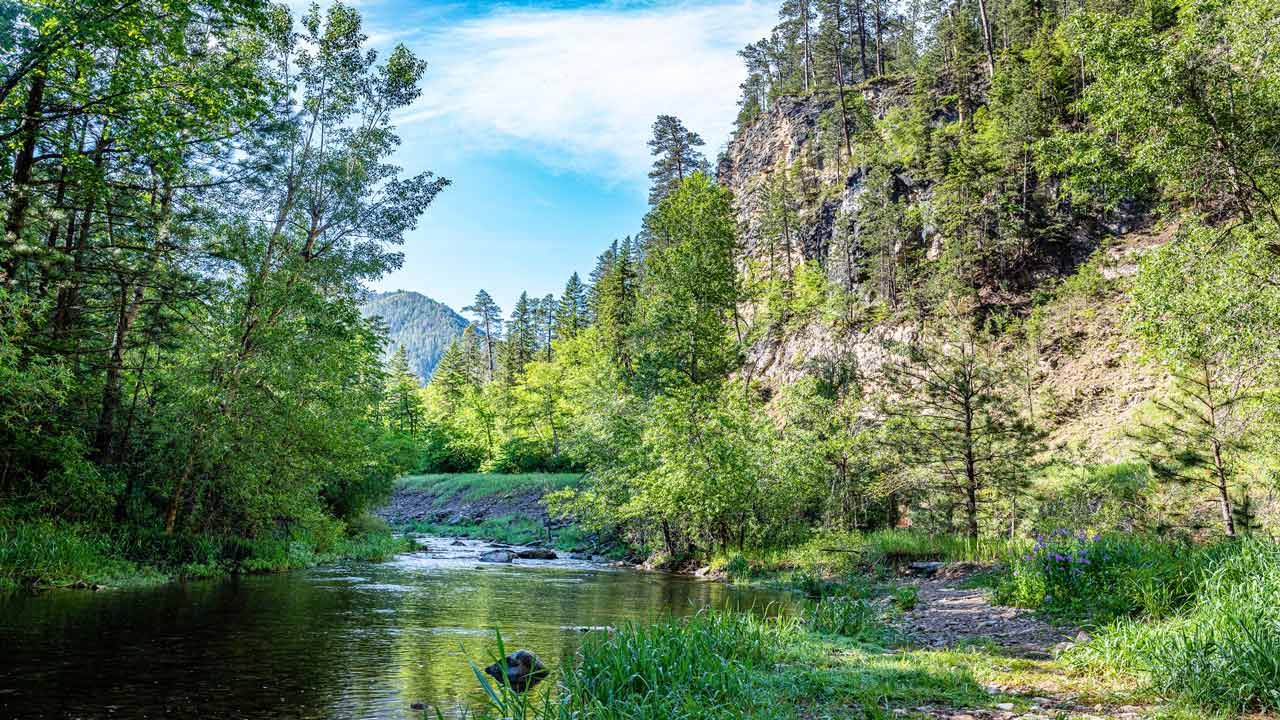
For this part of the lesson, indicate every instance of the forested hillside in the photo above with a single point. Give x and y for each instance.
(958, 264)
(422, 326)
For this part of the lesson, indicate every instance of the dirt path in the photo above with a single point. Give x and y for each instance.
(948, 616)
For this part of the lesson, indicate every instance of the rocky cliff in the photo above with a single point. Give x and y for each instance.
(1090, 379)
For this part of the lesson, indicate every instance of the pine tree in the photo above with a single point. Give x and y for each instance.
(676, 150)
(522, 338)
(488, 318)
(572, 314)
(1204, 434)
(797, 18)
(546, 315)
(952, 410)
(404, 404)
(613, 298)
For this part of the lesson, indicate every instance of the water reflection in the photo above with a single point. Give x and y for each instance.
(356, 641)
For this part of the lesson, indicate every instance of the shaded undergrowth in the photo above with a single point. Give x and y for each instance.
(45, 554)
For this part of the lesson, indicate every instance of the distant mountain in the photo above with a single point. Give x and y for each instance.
(424, 326)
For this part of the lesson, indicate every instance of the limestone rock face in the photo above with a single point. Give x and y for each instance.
(824, 201)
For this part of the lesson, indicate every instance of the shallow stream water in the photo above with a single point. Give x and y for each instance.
(357, 640)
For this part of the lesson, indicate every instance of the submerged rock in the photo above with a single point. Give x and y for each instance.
(457, 543)
(497, 556)
(523, 670)
(537, 554)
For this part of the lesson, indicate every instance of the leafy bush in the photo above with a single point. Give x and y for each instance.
(906, 597)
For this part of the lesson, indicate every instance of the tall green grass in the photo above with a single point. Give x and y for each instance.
(42, 553)
(1220, 647)
(710, 665)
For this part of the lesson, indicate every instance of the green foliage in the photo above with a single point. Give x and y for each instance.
(1220, 651)
(1103, 577)
(690, 287)
(181, 345)
(706, 666)
(47, 554)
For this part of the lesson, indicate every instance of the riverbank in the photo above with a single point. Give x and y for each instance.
(492, 507)
(840, 658)
(44, 555)
(1169, 633)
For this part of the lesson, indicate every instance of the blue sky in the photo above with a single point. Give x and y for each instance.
(539, 112)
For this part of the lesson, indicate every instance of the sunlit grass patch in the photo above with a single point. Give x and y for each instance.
(473, 486)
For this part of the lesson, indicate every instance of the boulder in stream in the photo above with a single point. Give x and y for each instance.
(497, 556)
(537, 554)
(523, 670)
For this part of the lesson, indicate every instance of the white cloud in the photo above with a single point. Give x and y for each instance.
(580, 88)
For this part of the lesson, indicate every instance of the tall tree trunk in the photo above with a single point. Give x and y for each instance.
(808, 49)
(986, 39)
(175, 500)
(844, 110)
(970, 475)
(860, 13)
(23, 163)
(879, 17)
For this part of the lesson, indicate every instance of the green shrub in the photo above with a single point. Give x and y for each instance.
(848, 617)
(906, 597)
(737, 568)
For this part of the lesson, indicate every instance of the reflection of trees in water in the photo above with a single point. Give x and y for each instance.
(259, 645)
(308, 646)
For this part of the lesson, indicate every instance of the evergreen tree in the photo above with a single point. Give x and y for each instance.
(522, 338)
(614, 292)
(797, 21)
(952, 411)
(404, 405)
(572, 313)
(677, 156)
(546, 314)
(488, 318)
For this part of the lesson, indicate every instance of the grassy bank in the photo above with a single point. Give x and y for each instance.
(475, 486)
(1181, 631)
(497, 507)
(51, 555)
(1199, 623)
(722, 665)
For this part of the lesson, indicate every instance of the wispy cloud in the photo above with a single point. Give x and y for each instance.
(579, 88)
